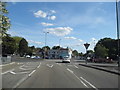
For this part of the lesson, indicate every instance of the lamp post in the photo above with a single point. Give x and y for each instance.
(45, 43)
(86, 47)
(59, 41)
(118, 31)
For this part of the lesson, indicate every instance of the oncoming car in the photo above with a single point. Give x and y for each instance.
(66, 59)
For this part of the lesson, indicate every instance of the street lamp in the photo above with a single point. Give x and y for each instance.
(59, 41)
(86, 47)
(45, 43)
(118, 31)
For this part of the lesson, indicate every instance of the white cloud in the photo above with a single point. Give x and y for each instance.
(70, 38)
(80, 40)
(47, 24)
(59, 31)
(36, 42)
(52, 17)
(93, 39)
(41, 14)
(53, 11)
(47, 15)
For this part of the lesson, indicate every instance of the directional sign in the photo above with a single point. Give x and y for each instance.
(86, 45)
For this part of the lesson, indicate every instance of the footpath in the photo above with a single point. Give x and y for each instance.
(111, 68)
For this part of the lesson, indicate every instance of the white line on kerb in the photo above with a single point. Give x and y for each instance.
(75, 66)
(31, 72)
(88, 83)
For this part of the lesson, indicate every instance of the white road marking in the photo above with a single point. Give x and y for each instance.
(22, 73)
(21, 67)
(38, 65)
(58, 64)
(75, 66)
(88, 83)
(50, 65)
(12, 72)
(19, 63)
(7, 64)
(83, 83)
(77, 77)
(7, 71)
(31, 72)
(69, 65)
(69, 70)
(22, 80)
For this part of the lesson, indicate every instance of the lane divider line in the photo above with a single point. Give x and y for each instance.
(31, 72)
(69, 70)
(75, 66)
(83, 83)
(21, 81)
(69, 65)
(77, 77)
(38, 65)
(89, 83)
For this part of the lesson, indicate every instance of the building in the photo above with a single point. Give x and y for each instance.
(59, 53)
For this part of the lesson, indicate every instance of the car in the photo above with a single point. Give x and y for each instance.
(66, 59)
(33, 57)
(27, 56)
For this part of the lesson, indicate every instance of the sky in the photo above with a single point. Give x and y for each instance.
(70, 24)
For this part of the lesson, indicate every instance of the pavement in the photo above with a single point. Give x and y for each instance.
(112, 68)
(32, 73)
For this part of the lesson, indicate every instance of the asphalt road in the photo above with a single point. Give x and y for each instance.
(26, 73)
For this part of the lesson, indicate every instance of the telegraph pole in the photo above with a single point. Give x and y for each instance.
(118, 32)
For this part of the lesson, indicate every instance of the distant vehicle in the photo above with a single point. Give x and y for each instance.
(33, 57)
(27, 56)
(66, 59)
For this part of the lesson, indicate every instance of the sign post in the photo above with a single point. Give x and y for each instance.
(86, 47)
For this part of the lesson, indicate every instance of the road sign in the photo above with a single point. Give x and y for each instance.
(86, 45)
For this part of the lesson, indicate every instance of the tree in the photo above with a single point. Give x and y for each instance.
(111, 45)
(4, 20)
(17, 41)
(31, 50)
(23, 47)
(8, 45)
(101, 51)
(80, 54)
(46, 48)
(56, 47)
(75, 53)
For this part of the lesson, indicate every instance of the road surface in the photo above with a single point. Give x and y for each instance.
(27, 73)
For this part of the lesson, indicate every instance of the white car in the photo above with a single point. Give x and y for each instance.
(33, 57)
(27, 56)
(66, 59)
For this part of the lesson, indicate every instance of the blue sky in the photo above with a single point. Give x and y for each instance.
(73, 22)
